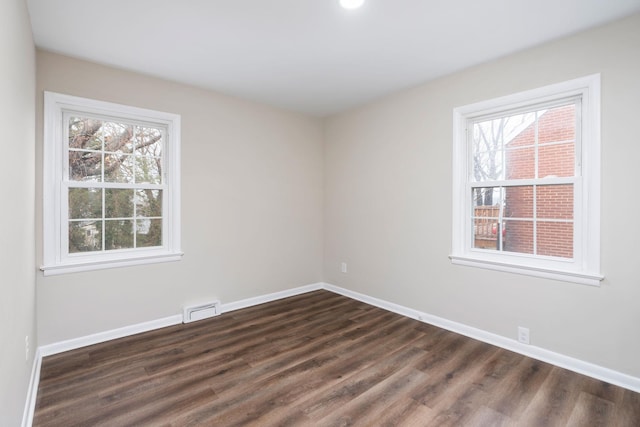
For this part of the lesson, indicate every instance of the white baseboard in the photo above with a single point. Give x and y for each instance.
(576, 365)
(250, 302)
(557, 359)
(32, 391)
(75, 343)
(72, 344)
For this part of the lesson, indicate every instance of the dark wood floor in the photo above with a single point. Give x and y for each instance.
(317, 359)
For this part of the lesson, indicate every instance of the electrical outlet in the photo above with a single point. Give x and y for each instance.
(523, 335)
(26, 348)
(343, 267)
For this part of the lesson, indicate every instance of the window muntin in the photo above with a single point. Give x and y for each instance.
(502, 217)
(111, 185)
(114, 184)
(531, 158)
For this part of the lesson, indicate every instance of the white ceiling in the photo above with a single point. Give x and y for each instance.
(310, 56)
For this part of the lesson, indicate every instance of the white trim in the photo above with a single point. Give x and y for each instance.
(396, 308)
(32, 392)
(565, 276)
(538, 353)
(585, 267)
(540, 95)
(104, 264)
(97, 338)
(56, 259)
(250, 302)
(75, 343)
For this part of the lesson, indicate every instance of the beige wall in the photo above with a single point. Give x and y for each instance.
(255, 195)
(251, 205)
(388, 204)
(17, 247)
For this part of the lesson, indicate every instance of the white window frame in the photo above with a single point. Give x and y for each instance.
(584, 268)
(56, 259)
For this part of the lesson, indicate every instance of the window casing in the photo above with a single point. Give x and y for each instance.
(111, 185)
(527, 183)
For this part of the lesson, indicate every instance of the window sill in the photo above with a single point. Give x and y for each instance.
(562, 275)
(75, 267)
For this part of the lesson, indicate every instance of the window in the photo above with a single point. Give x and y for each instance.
(111, 185)
(527, 183)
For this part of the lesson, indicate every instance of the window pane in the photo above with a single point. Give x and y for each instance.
(148, 203)
(85, 166)
(488, 145)
(556, 160)
(557, 124)
(523, 135)
(118, 168)
(556, 136)
(486, 216)
(520, 146)
(148, 141)
(85, 133)
(85, 203)
(486, 196)
(519, 202)
(487, 166)
(485, 225)
(148, 170)
(118, 203)
(501, 141)
(118, 234)
(518, 236)
(148, 232)
(118, 137)
(555, 239)
(554, 201)
(520, 163)
(85, 236)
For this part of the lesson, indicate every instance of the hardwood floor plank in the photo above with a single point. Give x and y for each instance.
(628, 410)
(406, 412)
(555, 399)
(519, 386)
(316, 359)
(287, 386)
(175, 404)
(474, 391)
(369, 407)
(592, 411)
(344, 392)
(452, 376)
(487, 417)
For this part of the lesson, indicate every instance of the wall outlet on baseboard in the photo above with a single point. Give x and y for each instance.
(523, 335)
(343, 267)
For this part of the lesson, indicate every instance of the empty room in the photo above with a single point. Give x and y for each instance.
(319, 213)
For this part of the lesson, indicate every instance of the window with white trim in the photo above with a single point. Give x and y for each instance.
(527, 182)
(111, 185)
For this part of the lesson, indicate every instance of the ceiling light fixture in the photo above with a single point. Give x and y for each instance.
(351, 4)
